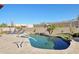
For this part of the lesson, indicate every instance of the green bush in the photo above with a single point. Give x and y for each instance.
(66, 36)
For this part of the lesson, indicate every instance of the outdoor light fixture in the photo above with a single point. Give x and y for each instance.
(1, 5)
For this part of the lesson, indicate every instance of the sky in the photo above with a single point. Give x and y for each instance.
(38, 13)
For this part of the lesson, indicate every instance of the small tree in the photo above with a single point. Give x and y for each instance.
(71, 27)
(78, 17)
(3, 25)
(12, 24)
(50, 29)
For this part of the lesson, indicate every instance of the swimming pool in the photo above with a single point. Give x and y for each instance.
(46, 42)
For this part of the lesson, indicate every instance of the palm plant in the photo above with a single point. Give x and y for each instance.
(50, 29)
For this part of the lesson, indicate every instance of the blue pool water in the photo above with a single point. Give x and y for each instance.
(45, 42)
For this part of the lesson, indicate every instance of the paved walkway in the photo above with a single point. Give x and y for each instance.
(7, 46)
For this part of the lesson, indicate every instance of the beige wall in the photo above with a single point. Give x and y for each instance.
(43, 30)
(57, 30)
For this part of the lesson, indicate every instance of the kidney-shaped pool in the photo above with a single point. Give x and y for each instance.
(46, 42)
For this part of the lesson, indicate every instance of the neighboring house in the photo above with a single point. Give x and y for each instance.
(22, 25)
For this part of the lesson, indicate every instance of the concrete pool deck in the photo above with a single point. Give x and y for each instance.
(7, 46)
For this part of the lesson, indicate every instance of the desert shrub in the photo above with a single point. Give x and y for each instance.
(66, 36)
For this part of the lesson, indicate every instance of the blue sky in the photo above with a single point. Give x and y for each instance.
(38, 13)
